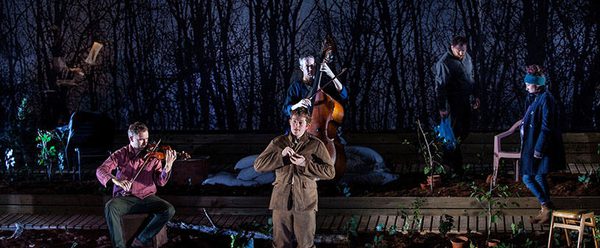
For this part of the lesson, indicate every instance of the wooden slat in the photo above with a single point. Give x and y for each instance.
(53, 223)
(71, 223)
(4, 217)
(243, 219)
(363, 224)
(325, 223)
(66, 223)
(38, 219)
(373, 222)
(473, 223)
(80, 224)
(343, 223)
(482, 223)
(9, 221)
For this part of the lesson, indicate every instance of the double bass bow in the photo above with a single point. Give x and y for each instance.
(327, 113)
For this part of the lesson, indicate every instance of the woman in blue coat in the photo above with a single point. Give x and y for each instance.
(542, 147)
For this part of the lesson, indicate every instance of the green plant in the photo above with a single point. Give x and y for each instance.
(392, 230)
(492, 202)
(431, 151)
(530, 243)
(352, 226)
(241, 240)
(378, 237)
(417, 216)
(585, 179)
(597, 236)
(504, 245)
(518, 228)
(446, 224)
(244, 238)
(51, 147)
(17, 136)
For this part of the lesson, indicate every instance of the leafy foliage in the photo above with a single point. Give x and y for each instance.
(491, 201)
(446, 224)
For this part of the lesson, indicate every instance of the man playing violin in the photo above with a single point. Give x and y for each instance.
(133, 192)
(299, 160)
(301, 86)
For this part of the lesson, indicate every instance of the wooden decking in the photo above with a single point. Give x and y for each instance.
(85, 212)
(325, 223)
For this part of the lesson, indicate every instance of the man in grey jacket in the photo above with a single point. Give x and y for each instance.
(456, 94)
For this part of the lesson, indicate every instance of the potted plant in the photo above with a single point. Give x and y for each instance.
(431, 151)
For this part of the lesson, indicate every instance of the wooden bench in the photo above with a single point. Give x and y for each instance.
(133, 225)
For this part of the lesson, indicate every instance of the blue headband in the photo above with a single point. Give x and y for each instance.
(537, 80)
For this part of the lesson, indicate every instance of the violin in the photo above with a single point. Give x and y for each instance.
(158, 152)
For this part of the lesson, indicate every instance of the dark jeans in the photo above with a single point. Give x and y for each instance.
(161, 212)
(538, 186)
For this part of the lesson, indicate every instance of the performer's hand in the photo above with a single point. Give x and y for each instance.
(475, 104)
(298, 159)
(325, 68)
(170, 157)
(305, 103)
(124, 184)
(287, 151)
(443, 113)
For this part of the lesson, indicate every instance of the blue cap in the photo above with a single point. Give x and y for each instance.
(537, 80)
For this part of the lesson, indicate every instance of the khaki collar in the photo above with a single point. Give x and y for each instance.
(302, 138)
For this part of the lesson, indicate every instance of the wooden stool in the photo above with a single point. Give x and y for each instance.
(574, 220)
(133, 225)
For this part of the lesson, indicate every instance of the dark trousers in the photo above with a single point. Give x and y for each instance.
(161, 212)
(460, 112)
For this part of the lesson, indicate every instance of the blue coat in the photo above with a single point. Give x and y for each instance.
(540, 133)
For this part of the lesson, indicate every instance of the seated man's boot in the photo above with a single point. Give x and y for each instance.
(139, 244)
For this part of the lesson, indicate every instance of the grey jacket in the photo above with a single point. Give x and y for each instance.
(454, 80)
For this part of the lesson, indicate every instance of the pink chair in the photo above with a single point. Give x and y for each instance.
(499, 154)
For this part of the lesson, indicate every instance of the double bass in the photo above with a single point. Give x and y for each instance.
(327, 113)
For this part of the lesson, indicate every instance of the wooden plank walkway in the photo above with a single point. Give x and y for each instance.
(333, 224)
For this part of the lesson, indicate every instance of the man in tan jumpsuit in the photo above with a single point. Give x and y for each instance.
(298, 160)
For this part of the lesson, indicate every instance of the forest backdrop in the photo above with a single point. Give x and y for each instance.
(208, 65)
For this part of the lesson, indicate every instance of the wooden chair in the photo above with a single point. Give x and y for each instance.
(573, 220)
(132, 226)
(499, 154)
